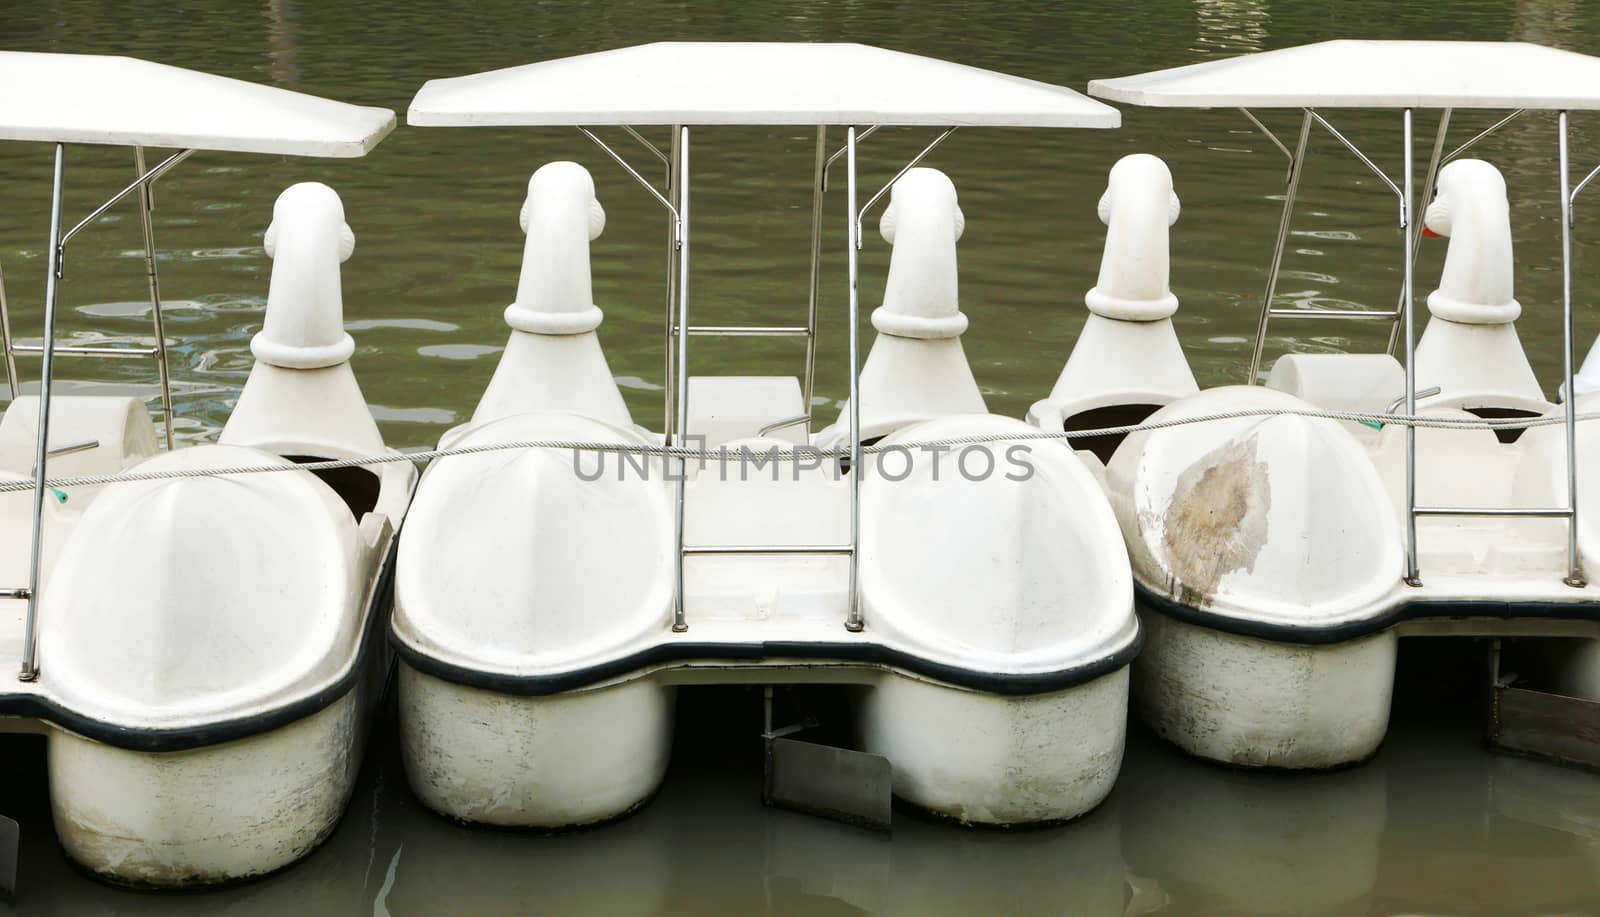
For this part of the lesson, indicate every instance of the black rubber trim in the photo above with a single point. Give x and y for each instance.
(686, 651)
(184, 738)
(1352, 630)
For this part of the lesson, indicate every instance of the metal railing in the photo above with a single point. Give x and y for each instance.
(675, 200)
(1404, 319)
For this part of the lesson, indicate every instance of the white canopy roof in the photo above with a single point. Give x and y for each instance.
(696, 83)
(89, 98)
(1373, 74)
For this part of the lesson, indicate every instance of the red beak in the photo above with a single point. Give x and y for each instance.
(1430, 234)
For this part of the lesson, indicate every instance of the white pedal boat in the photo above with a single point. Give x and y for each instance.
(549, 601)
(1278, 556)
(202, 649)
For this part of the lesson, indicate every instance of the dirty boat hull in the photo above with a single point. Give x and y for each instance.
(558, 761)
(209, 815)
(1246, 693)
(581, 748)
(1248, 701)
(216, 803)
(981, 759)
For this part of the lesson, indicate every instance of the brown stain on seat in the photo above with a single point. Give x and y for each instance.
(1217, 520)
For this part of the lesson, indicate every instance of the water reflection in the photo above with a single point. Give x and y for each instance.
(1232, 842)
(1231, 26)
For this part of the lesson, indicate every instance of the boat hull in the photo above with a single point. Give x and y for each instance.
(591, 755)
(217, 804)
(986, 759)
(1246, 701)
(552, 761)
(208, 815)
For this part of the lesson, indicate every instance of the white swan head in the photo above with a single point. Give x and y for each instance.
(1471, 210)
(307, 240)
(1138, 207)
(560, 217)
(923, 223)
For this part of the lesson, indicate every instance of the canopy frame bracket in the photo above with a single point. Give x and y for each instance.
(1296, 168)
(1482, 135)
(5, 340)
(1366, 161)
(915, 160)
(1572, 198)
(1267, 132)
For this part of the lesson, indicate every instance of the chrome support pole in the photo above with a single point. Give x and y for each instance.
(1297, 165)
(776, 550)
(828, 164)
(1573, 197)
(808, 383)
(147, 204)
(945, 135)
(852, 621)
(1407, 296)
(673, 241)
(744, 331)
(1514, 512)
(1367, 315)
(1574, 575)
(783, 424)
(73, 350)
(144, 179)
(1269, 134)
(654, 150)
(632, 172)
(1482, 134)
(1372, 166)
(1428, 392)
(30, 635)
(5, 339)
(681, 153)
(1434, 164)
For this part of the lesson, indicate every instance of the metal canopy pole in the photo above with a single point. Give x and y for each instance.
(146, 205)
(678, 329)
(1407, 296)
(1482, 134)
(681, 151)
(675, 235)
(47, 350)
(672, 282)
(1435, 162)
(161, 168)
(30, 637)
(1574, 575)
(1297, 164)
(897, 176)
(5, 339)
(818, 186)
(852, 621)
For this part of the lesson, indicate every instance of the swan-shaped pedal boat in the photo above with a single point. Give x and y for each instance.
(212, 644)
(1267, 550)
(535, 588)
